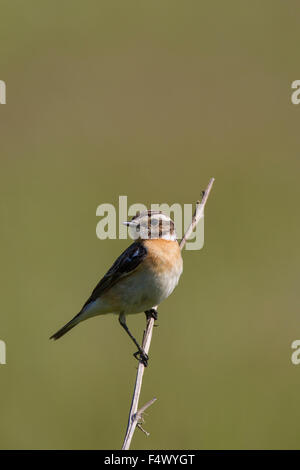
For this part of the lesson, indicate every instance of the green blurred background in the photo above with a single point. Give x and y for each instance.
(149, 100)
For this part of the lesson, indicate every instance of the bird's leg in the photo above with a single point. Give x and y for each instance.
(140, 355)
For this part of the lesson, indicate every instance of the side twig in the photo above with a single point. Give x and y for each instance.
(135, 415)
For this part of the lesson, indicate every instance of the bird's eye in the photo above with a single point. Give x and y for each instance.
(154, 222)
(138, 227)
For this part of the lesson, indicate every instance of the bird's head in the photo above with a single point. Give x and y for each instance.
(151, 225)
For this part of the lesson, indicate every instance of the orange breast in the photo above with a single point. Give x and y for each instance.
(162, 254)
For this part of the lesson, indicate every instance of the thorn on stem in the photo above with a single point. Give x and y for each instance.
(142, 429)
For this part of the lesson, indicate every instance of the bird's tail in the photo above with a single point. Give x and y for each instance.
(67, 327)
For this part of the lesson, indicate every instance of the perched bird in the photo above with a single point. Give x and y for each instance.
(144, 275)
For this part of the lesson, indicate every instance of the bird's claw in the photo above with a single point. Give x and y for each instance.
(142, 357)
(152, 313)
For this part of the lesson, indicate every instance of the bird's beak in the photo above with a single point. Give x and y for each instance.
(130, 223)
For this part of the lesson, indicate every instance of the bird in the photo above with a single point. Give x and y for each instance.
(144, 275)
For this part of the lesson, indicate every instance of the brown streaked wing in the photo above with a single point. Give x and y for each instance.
(125, 264)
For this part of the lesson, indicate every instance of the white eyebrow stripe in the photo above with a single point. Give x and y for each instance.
(163, 217)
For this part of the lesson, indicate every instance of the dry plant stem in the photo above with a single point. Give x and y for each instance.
(199, 212)
(135, 415)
